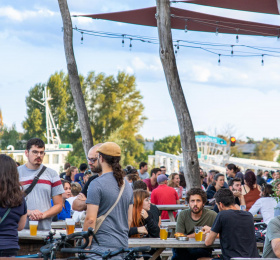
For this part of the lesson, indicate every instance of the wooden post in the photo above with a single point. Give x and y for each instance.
(191, 164)
(74, 77)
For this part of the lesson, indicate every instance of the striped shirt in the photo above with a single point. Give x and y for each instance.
(48, 186)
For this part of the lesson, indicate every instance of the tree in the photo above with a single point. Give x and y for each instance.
(74, 77)
(169, 144)
(10, 136)
(265, 150)
(114, 107)
(191, 163)
(1, 120)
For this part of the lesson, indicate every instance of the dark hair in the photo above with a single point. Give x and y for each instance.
(70, 170)
(250, 179)
(142, 164)
(267, 190)
(128, 169)
(67, 165)
(155, 171)
(114, 162)
(259, 172)
(63, 182)
(182, 181)
(233, 167)
(132, 177)
(225, 196)
(17, 163)
(139, 185)
(232, 181)
(133, 171)
(35, 141)
(11, 194)
(162, 166)
(197, 191)
(216, 177)
(83, 166)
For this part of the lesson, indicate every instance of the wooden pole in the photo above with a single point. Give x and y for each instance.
(74, 77)
(191, 164)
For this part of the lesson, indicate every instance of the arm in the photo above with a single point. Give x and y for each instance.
(22, 222)
(152, 226)
(210, 238)
(255, 208)
(130, 215)
(91, 216)
(275, 244)
(55, 209)
(178, 201)
(79, 204)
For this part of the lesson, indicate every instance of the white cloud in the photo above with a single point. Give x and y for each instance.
(19, 15)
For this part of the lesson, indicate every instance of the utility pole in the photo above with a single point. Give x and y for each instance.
(74, 77)
(166, 51)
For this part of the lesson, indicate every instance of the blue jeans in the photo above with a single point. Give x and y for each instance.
(190, 253)
(8, 252)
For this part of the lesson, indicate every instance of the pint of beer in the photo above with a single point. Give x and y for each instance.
(198, 233)
(163, 234)
(70, 226)
(33, 225)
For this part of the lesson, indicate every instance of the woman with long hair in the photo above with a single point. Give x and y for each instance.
(233, 171)
(142, 222)
(174, 182)
(218, 183)
(250, 190)
(70, 174)
(66, 207)
(266, 204)
(11, 198)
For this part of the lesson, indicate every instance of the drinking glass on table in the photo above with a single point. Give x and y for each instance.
(163, 232)
(70, 226)
(198, 233)
(33, 226)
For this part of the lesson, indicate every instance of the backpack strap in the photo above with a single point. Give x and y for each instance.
(34, 182)
(5, 215)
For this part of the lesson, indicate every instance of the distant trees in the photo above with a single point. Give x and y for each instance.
(114, 107)
(169, 144)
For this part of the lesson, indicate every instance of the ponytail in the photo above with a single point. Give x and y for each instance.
(114, 162)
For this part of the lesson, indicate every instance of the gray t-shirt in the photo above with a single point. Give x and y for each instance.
(48, 186)
(143, 176)
(273, 231)
(103, 192)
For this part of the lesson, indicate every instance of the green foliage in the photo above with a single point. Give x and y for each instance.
(265, 150)
(114, 108)
(169, 144)
(10, 136)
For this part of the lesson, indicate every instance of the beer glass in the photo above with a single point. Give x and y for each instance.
(163, 233)
(198, 233)
(70, 226)
(33, 226)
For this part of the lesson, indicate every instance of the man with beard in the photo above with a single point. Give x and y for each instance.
(47, 187)
(79, 203)
(196, 215)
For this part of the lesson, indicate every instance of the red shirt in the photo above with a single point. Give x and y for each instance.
(164, 195)
(149, 184)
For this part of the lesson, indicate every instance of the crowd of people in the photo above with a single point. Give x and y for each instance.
(121, 203)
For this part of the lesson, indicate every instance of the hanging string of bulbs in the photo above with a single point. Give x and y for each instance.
(226, 50)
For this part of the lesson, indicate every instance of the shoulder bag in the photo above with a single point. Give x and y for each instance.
(34, 182)
(100, 219)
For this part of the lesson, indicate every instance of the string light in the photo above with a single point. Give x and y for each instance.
(123, 40)
(262, 60)
(82, 37)
(186, 26)
(219, 60)
(213, 48)
(217, 31)
(237, 36)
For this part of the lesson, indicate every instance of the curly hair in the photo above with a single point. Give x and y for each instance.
(114, 162)
(11, 192)
(250, 179)
(197, 191)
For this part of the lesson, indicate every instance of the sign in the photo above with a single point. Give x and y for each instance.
(210, 139)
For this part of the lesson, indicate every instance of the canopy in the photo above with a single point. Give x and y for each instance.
(190, 20)
(260, 6)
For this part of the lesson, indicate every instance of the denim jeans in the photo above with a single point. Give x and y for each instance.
(8, 252)
(190, 253)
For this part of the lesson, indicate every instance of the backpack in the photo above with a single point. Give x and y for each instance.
(260, 231)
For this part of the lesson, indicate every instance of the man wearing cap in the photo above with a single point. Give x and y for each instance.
(164, 195)
(103, 192)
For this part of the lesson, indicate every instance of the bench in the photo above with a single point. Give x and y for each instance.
(168, 253)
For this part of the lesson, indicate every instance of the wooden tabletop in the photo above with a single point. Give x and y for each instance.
(58, 224)
(41, 235)
(170, 242)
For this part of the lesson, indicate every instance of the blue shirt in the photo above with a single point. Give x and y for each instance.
(66, 211)
(79, 177)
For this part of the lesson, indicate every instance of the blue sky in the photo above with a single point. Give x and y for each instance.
(240, 96)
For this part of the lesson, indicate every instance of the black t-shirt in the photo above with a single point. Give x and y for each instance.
(62, 175)
(85, 189)
(237, 233)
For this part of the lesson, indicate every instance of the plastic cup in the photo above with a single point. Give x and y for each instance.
(198, 233)
(33, 226)
(70, 226)
(163, 234)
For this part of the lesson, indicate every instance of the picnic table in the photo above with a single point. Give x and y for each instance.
(161, 245)
(58, 224)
